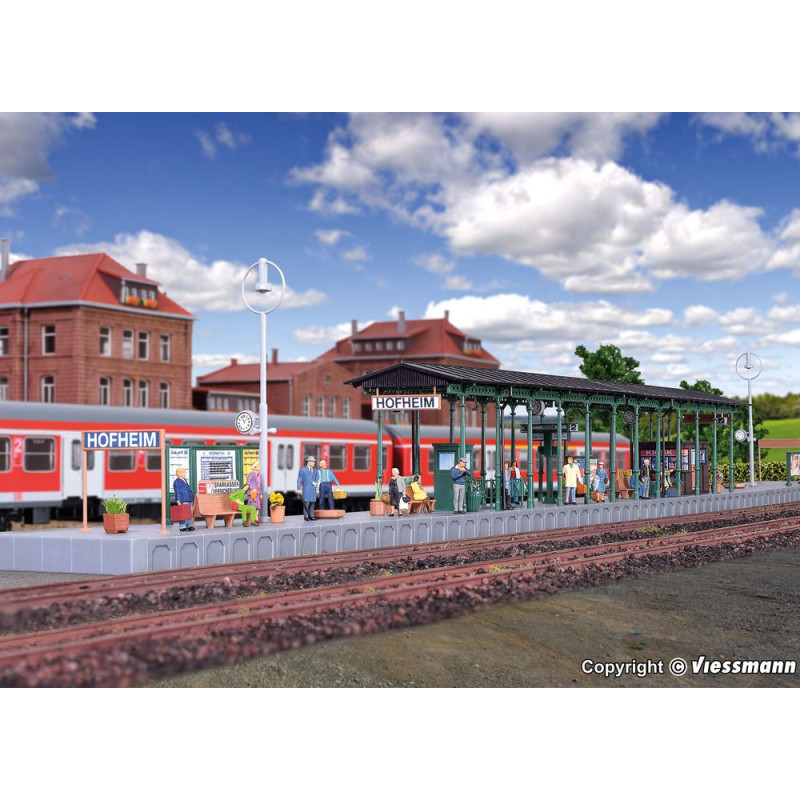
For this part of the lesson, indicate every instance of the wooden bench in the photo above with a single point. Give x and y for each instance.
(211, 506)
(623, 487)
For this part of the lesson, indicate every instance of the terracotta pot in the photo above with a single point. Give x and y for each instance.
(277, 514)
(116, 523)
(376, 508)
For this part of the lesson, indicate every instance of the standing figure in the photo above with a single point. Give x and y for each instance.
(602, 479)
(572, 477)
(256, 490)
(514, 476)
(506, 487)
(397, 488)
(326, 479)
(459, 476)
(307, 480)
(183, 494)
(644, 480)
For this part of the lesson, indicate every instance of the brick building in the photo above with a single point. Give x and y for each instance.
(316, 388)
(84, 329)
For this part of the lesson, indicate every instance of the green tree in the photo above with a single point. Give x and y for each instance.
(608, 364)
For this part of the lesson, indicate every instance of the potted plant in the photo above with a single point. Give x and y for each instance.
(277, 511)
(376, 507)
(116, 518)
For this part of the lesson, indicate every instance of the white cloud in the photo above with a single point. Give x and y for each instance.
(696, 316)
(196, 285)
(214, 361)
(223, 135)
(435, 263)
(458, 282)
(356, 254)
(329, 237)
(321, 336)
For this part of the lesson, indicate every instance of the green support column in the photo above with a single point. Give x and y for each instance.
(678, 456)
(513, 433)
(714, 457)
(559, 461)
(415, 465)
(613, 454)
(379, 474)
(587, 470)
(730, 452)
(696, 452)
(463, 432)
(635, 454)
(530, 457)
(452, 420)
(483, 441)
(659, 420)
(540, 463)
(498, 456)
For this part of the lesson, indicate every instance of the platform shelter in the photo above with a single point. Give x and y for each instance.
(414, 386)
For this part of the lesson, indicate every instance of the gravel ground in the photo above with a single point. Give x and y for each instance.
(743, 609)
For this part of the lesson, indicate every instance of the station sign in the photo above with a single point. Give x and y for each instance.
(111, 440)
(407, 402)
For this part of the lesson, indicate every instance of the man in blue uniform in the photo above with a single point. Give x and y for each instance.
(307, 480)
(459, 475)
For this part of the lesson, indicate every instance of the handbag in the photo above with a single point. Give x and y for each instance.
(581, 489)
(180, 513)
(339, 494)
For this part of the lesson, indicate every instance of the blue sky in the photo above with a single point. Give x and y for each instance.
(674, 236)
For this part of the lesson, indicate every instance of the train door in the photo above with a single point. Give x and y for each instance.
(284, 463)
(72, 462)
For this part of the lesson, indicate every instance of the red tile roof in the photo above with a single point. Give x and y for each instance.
(250, 373)
(62, 279)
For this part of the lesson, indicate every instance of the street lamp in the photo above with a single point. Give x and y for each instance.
(264, 301)
(747, 368)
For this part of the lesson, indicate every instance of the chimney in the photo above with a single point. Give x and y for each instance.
(234, 362)
(4, 260)
(141, 270)
(274, 355)
(446, 314)
(401, 322)
(354, 327)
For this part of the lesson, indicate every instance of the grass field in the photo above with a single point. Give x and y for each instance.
(781, 429)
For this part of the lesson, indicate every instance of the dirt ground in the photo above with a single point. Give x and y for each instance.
(744, 609)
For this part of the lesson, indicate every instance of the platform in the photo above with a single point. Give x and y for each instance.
(143, 549)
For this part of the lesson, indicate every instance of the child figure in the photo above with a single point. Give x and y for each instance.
(241, 498)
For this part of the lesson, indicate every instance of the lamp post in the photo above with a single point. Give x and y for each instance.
(747, 368)
(264, 302)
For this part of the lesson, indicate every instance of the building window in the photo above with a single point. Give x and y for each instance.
(3, 389)
(379, 345)
(346, 407)
(401, 345)
(331, 406)
(356, 347)
(368, 347)
(361, 458)
(127, 344)
(3, 341)
(48, 389)
(48, 339)
(144, 391)
(105, 391)
(105, 341)
(320, 406)
(326, 381)
(390, 345)
(306, 405)
(338, 457)
(39, 454)
(127, 392)
(144, 345)
(165, 342)
(163, 395)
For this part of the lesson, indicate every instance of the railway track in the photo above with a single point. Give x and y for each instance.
(130, 650)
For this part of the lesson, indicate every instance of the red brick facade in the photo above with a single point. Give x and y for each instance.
(73, 371)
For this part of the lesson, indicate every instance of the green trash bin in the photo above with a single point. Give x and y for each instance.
(473, 497)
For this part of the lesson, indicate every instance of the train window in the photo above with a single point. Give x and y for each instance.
(5, 453)
(289, 456)
(76, 456)
(361, 457)
(153, 461)
(40, 454)
(490, 459)
(385, 457)
(121, 460)
(311, 449)
(193, 442)
(338, 458)
(281, 456)
(430, 459)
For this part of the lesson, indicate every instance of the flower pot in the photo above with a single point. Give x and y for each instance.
(277, 514)
(116, 523)
(376, 508)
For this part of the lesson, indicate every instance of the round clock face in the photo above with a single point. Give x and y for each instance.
(740, 435)
(629, 416)
(537, 407)
(244, 422)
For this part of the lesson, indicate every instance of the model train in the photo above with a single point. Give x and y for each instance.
(41, 455)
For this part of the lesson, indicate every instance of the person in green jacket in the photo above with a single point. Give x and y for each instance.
(249, 513)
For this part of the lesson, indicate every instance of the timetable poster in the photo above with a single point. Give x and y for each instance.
(216, 465)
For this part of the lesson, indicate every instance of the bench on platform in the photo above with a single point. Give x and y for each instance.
(211, 506)
(623, 487)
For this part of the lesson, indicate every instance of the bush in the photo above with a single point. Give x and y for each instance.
(770, 471)
(115, 506)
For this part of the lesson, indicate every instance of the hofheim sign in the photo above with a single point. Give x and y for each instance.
(406, 402)
(107, 440)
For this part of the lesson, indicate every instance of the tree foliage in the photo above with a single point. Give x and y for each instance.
(608, 364)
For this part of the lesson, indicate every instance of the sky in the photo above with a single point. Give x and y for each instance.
(675, 236)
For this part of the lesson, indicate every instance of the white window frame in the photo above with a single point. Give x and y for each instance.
(105, 339)
(105, 390)
(143, 393)
(48, 387)
(48, 332)
(128, 344)
(165, 347)
(143, 339)
(164, 394)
